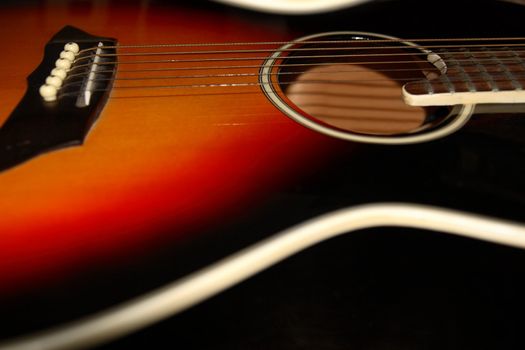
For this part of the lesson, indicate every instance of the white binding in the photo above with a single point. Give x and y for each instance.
(184, 293)
(463, 98)
(293, 6)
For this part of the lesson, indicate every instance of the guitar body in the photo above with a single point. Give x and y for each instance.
(168, 182)
(207, 152)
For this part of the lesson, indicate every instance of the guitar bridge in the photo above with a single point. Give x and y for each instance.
(89, 83)
(64, 97)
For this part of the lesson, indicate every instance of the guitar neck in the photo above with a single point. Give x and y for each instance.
(484, 74)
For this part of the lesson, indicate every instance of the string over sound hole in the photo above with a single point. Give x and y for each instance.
(352, 83)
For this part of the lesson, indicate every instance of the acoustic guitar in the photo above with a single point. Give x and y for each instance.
(148, 142)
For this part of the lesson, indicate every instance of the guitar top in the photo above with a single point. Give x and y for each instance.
(142, 141)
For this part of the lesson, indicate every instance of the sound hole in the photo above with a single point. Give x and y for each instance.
(358, 88)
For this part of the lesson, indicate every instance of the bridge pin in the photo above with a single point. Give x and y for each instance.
(59, 72)
(72, 47)
(63, 63)
(48, 92)
(54, 81)
(67, 55)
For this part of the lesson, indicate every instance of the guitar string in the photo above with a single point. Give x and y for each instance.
(251, 84)
(208, 68)
(234, 75)
(229, 75)
(472, 60)
(201, 60)
(215, 52)
(280, 65)
(469, 61)
(210, 92)
(243, 84)
(346, 41)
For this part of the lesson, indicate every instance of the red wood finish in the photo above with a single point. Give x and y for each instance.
(156, 165)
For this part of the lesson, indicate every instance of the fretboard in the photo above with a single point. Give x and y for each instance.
(485, 75)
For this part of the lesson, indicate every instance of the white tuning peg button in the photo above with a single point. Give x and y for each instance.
(72, 47)
(63, 63)
(48, 92)
(68, 55)
(54, 81)
(59, 72)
